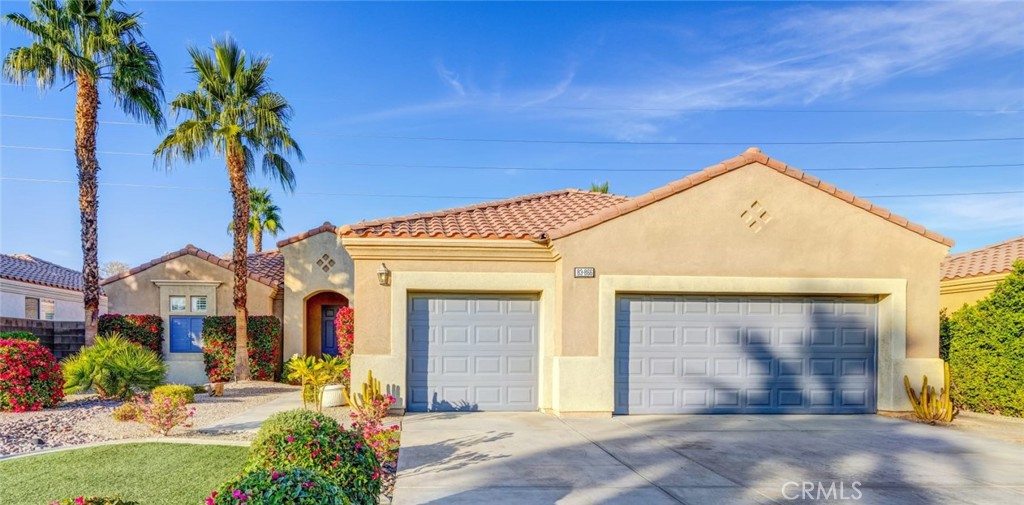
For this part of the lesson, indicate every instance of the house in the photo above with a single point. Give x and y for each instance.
(304, 282)
(970, 276)
(32, 288)
(748, 287)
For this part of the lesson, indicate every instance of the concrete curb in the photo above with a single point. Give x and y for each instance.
(150, 440)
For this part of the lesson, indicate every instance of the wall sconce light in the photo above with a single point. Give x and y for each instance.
(384, 275)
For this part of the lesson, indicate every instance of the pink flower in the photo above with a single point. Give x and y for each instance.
(80, 500)
(290, 439)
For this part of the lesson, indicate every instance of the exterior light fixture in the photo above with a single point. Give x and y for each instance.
(384, 275)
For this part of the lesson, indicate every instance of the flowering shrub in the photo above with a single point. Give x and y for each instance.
(146, 330)
(174, 391)
(94, 500)
(306, 439)
(297, 486)
(344, 327)
(164, 414)
(369, 420)
(18, 335)
(264, 343)
(30, 378)
(127, 411)
(219, 357)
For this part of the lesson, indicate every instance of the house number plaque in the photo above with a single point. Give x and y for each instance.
(585, 272)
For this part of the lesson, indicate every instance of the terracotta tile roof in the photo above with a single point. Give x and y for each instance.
(324, 228)
(994, 259)
(751, 155)
(524, 217)
(266, 267)
(26, 268)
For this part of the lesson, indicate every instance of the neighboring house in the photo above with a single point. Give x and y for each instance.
(31, 288)
(187, 285)
(970, 276)
(748, 287)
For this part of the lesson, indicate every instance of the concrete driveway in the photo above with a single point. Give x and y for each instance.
(499, 458)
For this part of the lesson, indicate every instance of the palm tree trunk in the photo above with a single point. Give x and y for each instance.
(257, 241)
(86, 108)
(240, 251)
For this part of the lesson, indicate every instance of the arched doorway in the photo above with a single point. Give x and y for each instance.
(321, 309)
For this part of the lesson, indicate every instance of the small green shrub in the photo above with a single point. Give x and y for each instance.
(113, 367)
(306, 439)
(199, 389)
(18, 335)
(165, 414)
(94, 500)
(127, 411)
(986, 350)
(296, 486)
(186, 393)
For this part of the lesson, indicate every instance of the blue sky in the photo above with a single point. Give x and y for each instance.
(736, 73)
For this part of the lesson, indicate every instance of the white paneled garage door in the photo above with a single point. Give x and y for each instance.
(744, 354)
(472, 352)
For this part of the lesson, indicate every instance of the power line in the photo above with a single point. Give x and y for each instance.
(479, 197)
(554, 169)
(606, 142)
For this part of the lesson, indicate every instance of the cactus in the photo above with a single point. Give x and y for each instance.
(371, 390)
(929, 406)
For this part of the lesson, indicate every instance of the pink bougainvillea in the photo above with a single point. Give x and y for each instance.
(344, 327)
(30, 378)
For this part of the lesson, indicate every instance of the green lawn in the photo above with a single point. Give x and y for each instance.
(152, 474)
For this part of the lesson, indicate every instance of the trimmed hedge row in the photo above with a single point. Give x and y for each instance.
(984, 344)
(146, 330)
(219, 347)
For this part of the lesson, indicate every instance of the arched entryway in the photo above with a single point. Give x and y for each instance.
(320, 311)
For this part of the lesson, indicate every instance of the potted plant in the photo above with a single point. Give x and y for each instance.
(335, 390)
(316, 375)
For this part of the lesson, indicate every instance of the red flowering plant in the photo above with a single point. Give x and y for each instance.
(146, 330)
(264, 343)
(368, 419)
(344, 327)
(163, 414)
(219, 357)
(30, 377)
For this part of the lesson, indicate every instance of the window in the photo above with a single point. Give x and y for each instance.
(198, 304)
(46, 310)
(186, 334)
(178, 304)
(31, 308)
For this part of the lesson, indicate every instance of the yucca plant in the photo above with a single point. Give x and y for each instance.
(114, 367)
(929, 406)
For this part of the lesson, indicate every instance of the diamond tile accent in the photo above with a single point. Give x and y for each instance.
(756, 216)
(325, 263)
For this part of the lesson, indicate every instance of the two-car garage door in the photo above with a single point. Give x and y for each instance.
(744, 354)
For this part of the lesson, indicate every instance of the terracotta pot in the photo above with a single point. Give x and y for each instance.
(218, 389)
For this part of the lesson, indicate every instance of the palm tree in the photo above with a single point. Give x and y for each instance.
(83, 42)
(263, 216)
(234, 113)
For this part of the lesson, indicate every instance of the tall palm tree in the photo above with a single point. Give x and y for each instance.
(84, 42)
(264, 215)
(234, 113)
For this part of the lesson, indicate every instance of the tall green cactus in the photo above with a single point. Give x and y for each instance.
(370, 391)
(929, 406)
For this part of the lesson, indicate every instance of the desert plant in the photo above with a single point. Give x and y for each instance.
(30, 378)
(164, 414)
(306, 439)
(371, 398)
(186, 393)
(986, 350)
(368, 412)
(94, 500)
(18, 335)
(928, 406)
(127, 411)
(296, 486)
(146, 330)
(113, 367)
(315, 374)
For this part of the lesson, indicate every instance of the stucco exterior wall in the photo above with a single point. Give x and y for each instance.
(67, 304)
(303, 278)
(954, 293)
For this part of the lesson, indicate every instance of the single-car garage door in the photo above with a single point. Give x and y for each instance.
(472, 352)
(744, 354)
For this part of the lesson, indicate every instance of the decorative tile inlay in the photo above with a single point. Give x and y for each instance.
(756, 216)
(325, 263)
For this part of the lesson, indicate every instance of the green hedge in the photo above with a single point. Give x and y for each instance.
(264, 342)
(18, 335)
(985, 345)
(146, 330)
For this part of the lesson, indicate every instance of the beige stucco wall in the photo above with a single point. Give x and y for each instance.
(303, 278)
(954, 293)
(147, 292)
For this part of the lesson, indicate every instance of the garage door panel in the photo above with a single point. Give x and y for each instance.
(745, 354)
(472, 352)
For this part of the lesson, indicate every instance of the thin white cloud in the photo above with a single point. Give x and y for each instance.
(450, 78)
(971, 213)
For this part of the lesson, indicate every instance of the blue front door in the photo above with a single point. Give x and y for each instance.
(328, 340)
